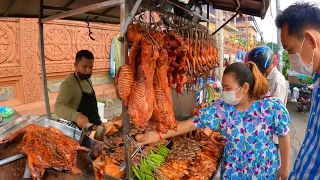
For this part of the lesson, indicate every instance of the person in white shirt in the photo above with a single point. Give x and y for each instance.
(278, 86)
(263, 58)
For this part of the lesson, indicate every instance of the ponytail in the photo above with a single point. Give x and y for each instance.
(249, 73)
(260, 83)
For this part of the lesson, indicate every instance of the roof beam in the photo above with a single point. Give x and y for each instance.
(124, 25)
(60, 9)
(81, 10)
(104, 12)
(69, 3)
(236, 14)
(12, 3)
(188, 11)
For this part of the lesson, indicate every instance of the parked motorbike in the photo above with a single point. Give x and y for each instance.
(304, 100)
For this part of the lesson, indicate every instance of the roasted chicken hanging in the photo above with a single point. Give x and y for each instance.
(134, 35)
(141, 102)
(140, 106)
(163, 115)
(124, 82)
(47, 148)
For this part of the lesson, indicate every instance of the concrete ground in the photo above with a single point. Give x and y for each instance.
(113, 110)
(298, 127)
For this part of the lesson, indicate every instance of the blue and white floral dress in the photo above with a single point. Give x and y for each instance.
(250, 152)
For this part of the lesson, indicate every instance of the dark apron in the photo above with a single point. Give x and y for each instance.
(88, 105)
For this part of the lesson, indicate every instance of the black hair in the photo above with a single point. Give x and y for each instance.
(84, 53)
(249, 74)
(299, 16)
(241, 72)
(262, 56)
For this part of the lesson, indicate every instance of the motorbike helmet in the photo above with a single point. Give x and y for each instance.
(262, 57)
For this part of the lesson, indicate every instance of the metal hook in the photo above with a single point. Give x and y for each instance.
(147, 32)
(90, 32)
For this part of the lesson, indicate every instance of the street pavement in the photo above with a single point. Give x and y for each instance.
(114, 110)
(297, 127)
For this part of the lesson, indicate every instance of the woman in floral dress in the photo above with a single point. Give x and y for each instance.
(247, 121)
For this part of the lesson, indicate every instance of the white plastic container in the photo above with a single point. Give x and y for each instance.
(295, 93)
(101, 111)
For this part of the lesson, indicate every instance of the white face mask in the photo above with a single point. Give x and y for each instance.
(230, 97)
(297, 63)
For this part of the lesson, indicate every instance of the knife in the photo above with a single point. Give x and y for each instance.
(27, 174)
(12, 158)
(99, 133)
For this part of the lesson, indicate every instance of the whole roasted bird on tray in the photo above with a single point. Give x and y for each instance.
(47, 148)
(157, 62)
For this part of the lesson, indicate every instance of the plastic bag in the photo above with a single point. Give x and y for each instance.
(6, 111)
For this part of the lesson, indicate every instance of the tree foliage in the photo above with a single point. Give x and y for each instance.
(286, 65)
(273, 47)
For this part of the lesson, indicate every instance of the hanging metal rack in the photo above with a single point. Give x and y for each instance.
(171, 18)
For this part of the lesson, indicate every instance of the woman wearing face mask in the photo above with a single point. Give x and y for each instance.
(76, 100)
(248, 121)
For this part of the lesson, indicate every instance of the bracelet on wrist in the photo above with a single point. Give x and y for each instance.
(160, 135)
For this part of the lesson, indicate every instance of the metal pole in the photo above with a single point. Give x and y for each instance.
(208, 16)
(205, 91)
(124, 25)
(279, 46)
(225, 23)
(219, 22)
(247, 34)
(216, 23)
(235, 22)
(43, 64)
(124, 9)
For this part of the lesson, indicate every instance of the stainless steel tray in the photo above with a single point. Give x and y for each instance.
(25, 120)
(83, 161)
(13, 124)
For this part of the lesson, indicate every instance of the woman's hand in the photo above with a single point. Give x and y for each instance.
(148, 138)
(283, 173)
(284, 145)
(153, 137)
